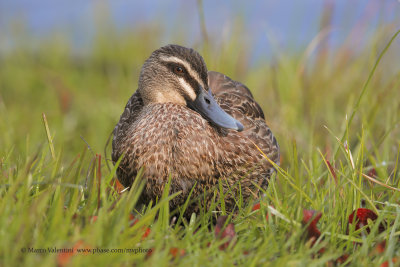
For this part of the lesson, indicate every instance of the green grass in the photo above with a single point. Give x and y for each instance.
(51, 184)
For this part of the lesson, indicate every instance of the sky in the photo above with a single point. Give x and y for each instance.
(292, 24)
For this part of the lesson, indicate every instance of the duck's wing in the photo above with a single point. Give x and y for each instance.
(234, 97)
(220, 83)
(237, 100)
(132, 109)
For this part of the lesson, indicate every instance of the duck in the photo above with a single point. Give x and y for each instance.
(198, 128)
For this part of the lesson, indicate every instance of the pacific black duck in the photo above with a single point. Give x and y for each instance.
(195, 126)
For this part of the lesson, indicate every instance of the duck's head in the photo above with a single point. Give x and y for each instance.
(178, 75)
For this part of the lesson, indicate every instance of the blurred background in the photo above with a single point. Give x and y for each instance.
(305, 61)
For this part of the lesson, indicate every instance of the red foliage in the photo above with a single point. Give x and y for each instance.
(361, 219)
(380, 247)
(332, 170)
(311, 218)
(147, 231)
(372, 173)
(386, 263)
(134, 221)
(257, 206)
(149, 253)
(118, 187)
(175, 252)
(93, 219)
(64, 258)
(227, 232)
(342, 259)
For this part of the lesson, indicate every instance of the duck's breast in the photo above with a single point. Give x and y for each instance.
(170, 139)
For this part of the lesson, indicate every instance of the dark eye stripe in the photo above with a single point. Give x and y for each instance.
(203, 74)
(185, 75)
(193, 83)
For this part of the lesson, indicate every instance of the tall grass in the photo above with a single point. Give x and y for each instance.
(55, 189)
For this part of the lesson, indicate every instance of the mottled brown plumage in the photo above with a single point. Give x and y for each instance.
(168, 138)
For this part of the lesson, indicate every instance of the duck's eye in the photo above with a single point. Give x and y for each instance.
(178, 70)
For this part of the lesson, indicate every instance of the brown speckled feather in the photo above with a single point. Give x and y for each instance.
(172, 139)
(237, 100)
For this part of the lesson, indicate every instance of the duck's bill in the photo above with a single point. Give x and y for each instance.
(206, 105)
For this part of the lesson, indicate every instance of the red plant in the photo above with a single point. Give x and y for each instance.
(64, 258)
(222, 233)
(311, 218)
(175, 252)
(360, 218)
(332, 170)
(257, 206)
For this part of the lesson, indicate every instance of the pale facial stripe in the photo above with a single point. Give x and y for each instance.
(188, 89)
(187, 66)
